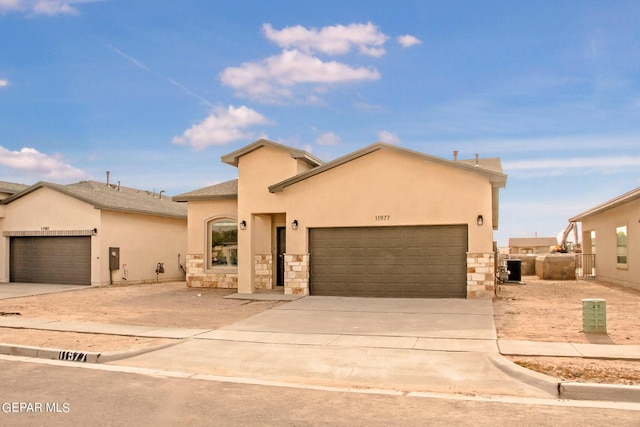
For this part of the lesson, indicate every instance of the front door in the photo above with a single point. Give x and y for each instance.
(281, 243)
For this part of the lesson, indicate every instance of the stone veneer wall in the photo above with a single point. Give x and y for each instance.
(296, 274)
(198, 278)
(481, 275)
(263, 271)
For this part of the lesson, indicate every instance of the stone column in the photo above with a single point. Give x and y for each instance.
(481, 275)
(296, 274)
(263, 271)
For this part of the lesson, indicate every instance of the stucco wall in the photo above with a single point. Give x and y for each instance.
(46, 208)
(605, 224)
(144, 241)
(256, 172)
(400, 188)
(383, 188)
(198, 272)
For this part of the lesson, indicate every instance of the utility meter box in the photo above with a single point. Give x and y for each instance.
(594, 316)
(114, 259)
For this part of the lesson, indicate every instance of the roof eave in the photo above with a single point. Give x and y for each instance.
(613, 203)
(234, 157)
(180, 199)
(497, 179)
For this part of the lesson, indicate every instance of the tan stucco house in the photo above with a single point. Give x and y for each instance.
(610, 235)
(90, 233)
(531, 245)
(381, 221)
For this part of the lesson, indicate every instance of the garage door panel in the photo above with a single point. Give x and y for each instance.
(420, 261)
(62, 260)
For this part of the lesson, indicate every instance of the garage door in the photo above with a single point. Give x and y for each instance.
(421, 261)
(64, 260)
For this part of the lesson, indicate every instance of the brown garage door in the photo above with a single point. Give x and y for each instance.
(63, 260)
(420, 261)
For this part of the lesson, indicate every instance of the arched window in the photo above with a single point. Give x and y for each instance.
(223, 243)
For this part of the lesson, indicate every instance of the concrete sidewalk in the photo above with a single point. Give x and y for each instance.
(447, 346)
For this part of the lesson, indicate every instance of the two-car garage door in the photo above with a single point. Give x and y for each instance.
(412, 261)
(59, 260)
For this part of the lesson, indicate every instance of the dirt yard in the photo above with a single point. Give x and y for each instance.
(170, 305)
(537, 311)
(551, 311)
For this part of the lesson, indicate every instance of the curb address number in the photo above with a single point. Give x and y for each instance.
(383, 217)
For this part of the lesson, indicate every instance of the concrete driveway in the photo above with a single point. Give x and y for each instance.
(18, 290)
(444, 345)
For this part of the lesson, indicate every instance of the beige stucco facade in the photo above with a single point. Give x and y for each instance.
(599, 237)
(144, 240)
(379, 186)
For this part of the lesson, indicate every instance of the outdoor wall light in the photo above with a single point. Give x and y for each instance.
(294, 224)
(94, 232)
(243, 225)
(480, 220)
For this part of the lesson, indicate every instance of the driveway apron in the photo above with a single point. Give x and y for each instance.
(434, 345)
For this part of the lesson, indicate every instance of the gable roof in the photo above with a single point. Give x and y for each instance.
(224, 190)
(518, 242)
(112, 197)
(488, 167)
(11, 187)
(233, 158)
(615, 202)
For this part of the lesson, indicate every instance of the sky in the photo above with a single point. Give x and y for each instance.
(156, 91)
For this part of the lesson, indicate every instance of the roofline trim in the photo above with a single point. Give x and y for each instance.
(60, 188)
(610, 204)
(233, 158)
(204, 197)
(495, 177)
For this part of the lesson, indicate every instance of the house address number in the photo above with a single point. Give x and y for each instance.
(383, 217)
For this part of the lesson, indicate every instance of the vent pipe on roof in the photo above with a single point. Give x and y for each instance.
(477, 160)
(455, 155)
(118, 185)
(108, 174)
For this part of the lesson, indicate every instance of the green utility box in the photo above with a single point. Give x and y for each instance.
(594, 316)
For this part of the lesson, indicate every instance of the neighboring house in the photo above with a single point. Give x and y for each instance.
(531, 245)
(10, 188)
(90, 233)
(381, 221)
(616, 226)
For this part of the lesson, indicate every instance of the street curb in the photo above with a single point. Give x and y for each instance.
(112, 356)
(77, 356)
(49, 353)
(535, 379)
(606, 392)
(569, 390)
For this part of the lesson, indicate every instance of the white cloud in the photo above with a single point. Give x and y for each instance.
(328, 138)
(221, 127)
(388, 137)
(4, 82)
(273, 78)
(42, 7)
(331, 40)
(31, 163)
(585, 165)
(408, 40)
